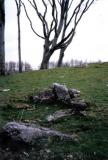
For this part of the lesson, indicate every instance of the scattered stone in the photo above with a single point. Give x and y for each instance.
(26, 154)
(22, 106)
(64, 113)
(4, 90)
(59, 114)
(74, 93)
(78, 106)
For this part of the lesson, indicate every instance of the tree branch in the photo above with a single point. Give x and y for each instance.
(42, 18)
(31, 22)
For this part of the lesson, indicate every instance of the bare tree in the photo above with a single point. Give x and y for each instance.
(2, 42)
(18, 6)
(59, 20)
(27, 67)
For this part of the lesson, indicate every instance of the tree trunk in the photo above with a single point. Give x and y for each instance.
(60, 60)
(45, 62)
(18, 6)
(19, 43)
(2, 42)
(46, 56)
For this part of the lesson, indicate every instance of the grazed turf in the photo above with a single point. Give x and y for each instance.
(92, 130)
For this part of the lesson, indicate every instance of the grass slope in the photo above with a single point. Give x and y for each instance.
(92, 130)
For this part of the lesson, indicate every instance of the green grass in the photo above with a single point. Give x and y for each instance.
(92, 130)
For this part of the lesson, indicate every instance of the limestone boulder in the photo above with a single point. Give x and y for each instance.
(29, 133)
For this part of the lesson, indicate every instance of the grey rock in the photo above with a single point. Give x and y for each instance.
(46, 96)
(21, 132)
(74, 93)
(58, 115)
(61, 92)
(78, 106)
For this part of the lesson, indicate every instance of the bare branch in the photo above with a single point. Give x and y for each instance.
(31, 21)
(70, 4)
(50, 2)
(89, 5)
(42, 18)
(18, 5)
(59, 1)
(45, 8)
(55, 16)
(45, 26)
(74, 12)
(59, 30)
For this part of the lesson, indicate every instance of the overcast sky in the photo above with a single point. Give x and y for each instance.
(90, 42)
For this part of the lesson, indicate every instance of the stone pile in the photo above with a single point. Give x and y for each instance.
(61, 94)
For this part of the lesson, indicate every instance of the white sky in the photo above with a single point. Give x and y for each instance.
(90, 42)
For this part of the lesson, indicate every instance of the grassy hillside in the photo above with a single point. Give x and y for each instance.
(92, 130)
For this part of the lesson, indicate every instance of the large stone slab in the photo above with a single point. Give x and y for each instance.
(29, 134)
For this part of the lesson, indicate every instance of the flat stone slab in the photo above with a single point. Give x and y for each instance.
(25, 133)
(58, 115)
(63, 113)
